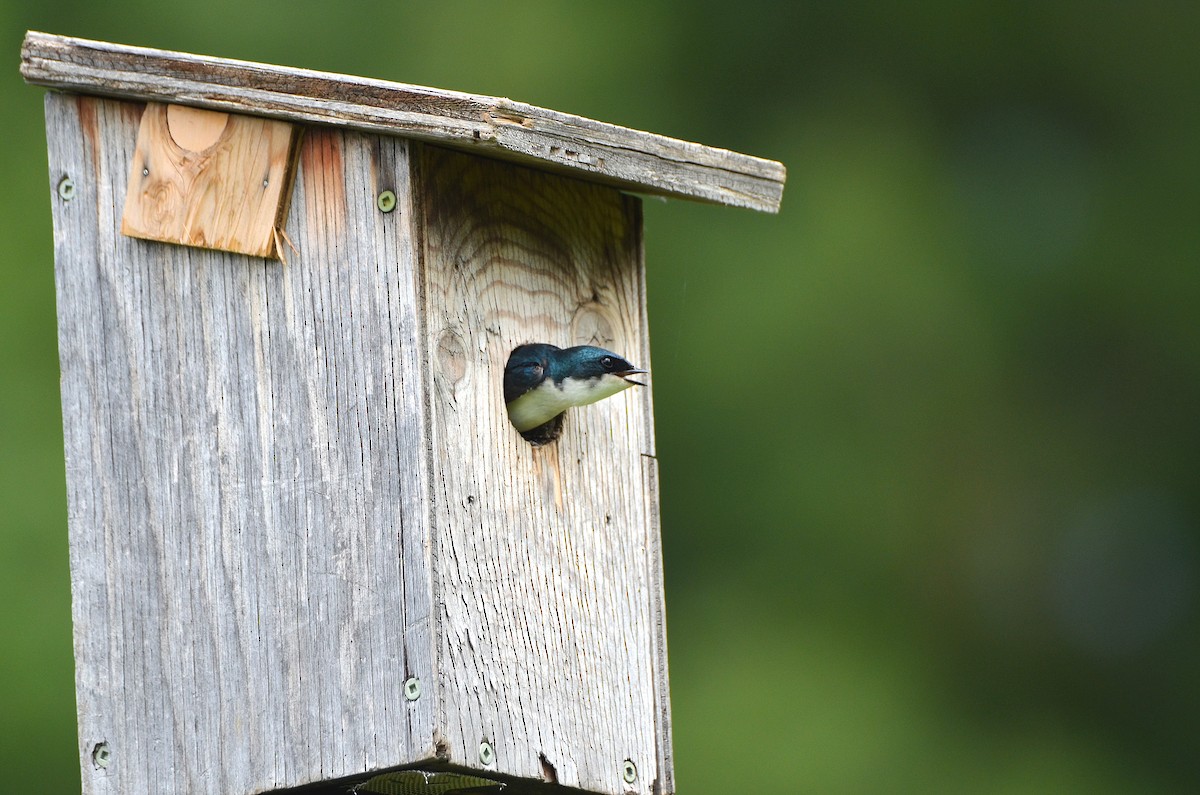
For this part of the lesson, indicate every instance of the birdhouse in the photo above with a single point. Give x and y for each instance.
(307, 546)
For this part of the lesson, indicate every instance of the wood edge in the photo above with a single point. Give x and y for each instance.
(503, 129)
(664, 782)
(279, 226)
(419, 233)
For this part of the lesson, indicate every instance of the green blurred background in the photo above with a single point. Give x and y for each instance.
(930, 438)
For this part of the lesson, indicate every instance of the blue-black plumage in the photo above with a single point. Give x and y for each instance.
(542, 381)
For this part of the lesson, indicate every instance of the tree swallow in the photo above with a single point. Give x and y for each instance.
(542, 381)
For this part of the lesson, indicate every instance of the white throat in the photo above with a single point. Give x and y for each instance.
(548, 400)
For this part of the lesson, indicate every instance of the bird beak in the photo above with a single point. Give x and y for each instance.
(626, 373)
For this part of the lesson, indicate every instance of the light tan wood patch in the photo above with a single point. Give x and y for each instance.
(194, 129)
(209, 179)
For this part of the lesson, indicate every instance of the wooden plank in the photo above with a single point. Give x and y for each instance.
(546, 561)
(247, 477)
(208, 179)
(496, 127)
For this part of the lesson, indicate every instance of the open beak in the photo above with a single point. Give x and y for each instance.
(626, 373)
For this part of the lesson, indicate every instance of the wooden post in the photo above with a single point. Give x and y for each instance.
(306, 545)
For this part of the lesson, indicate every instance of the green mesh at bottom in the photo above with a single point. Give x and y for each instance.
(419, 782)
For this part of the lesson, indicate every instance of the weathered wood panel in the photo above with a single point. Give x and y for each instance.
(546, 562)
(247, 495)
(492, 126)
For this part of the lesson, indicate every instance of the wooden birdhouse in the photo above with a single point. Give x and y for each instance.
(307, 546)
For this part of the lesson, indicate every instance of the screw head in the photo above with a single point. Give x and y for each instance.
(386, 201)
(412, 688)
(629, 771)
(66, 189)
(487, 754)
(101, 755)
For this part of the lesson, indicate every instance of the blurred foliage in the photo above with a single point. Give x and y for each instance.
(930, 438)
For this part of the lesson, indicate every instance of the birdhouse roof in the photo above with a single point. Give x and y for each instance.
(631, 160)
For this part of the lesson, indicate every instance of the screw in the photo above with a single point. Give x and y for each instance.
(386, 201)
(145, 172)
(412, 688)
(101, 755)
(629, 771)
(66, 189)
(486, 754)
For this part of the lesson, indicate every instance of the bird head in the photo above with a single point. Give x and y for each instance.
(542, 381)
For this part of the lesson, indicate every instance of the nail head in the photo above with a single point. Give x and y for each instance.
(412, 688)
(487, 754)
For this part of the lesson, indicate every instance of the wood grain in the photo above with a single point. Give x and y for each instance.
(490, 126)
(546, 561)
(246, 463)
(208, 179)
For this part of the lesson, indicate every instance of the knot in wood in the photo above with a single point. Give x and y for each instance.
(593, 324)
(452, 356)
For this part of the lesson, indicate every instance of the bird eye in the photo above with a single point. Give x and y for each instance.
(606, 362)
